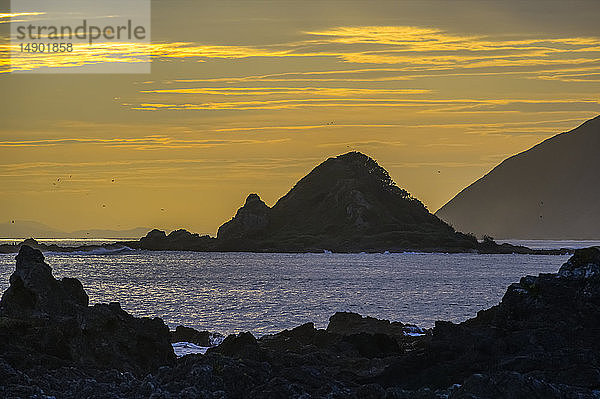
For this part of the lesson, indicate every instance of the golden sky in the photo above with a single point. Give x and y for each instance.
(249, 96)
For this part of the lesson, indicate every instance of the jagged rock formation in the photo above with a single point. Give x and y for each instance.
(544, 335)
(347, 203)
(249, 221)
(541, 341)
(200, 338)
(177, 240)
(49, 320)
(347, 323)
(550, 191)
(34, 292)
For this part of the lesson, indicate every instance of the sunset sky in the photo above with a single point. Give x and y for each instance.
(249, 96)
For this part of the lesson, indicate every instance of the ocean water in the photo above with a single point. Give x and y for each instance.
(265, 293)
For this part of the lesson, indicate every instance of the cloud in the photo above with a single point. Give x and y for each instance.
(412, 48)
(262, 91)
(425, 105)
(145, 143)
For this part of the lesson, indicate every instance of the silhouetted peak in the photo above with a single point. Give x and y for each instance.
(248, 220)
(353, 165)
(354, 159)
(253, 199)
(354, 156)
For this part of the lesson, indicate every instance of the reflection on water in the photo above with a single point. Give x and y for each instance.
(265, 293)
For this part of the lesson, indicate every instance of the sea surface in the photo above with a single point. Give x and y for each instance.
(266, 293)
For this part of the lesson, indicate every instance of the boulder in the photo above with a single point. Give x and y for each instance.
(584, 263)
(187, 334)
(348, 323)
(45, 318)
(34, 291)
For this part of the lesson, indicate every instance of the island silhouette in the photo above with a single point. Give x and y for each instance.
(348, 203)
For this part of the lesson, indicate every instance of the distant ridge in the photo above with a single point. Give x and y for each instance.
(551, 191)
(28, 228)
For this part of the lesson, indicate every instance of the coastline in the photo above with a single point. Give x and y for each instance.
(191, 245)
(518, 347)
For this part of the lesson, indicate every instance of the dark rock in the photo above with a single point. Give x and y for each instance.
(42, 317)
(546, 328)
(242, 345)
(33, 289)
(177, 240)
(541, 341)
(512, 385)
(371, 391)
(347, 323)
(154, 235)
(584, 263)
(347, 203)
(187, 334)
(250, 221)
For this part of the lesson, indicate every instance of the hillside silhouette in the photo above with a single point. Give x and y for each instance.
(550, 191)
(346, 203)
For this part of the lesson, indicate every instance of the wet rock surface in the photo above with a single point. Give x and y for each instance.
(541, 341)
(187, 334)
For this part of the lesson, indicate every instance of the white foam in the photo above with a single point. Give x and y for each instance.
(215, 339)
(187, 348)
(413, 331)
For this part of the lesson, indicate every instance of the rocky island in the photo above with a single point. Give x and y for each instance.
(541, 341)
(346, 204)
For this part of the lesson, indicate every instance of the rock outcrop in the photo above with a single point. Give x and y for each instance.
(348, 323)
(49, 319)
(177, 240)
(249, 221)
(546, 328)
(187, 334)
(33, 291)
(541, 341)
(348, 203)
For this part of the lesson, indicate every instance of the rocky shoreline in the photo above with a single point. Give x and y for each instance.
(541, 341)
(182, 240)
